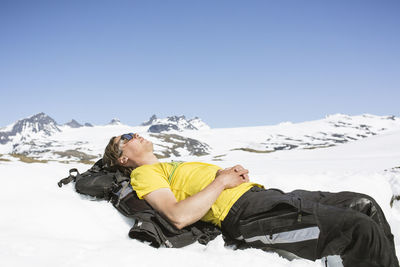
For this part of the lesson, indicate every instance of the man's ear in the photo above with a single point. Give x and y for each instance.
(123, 160)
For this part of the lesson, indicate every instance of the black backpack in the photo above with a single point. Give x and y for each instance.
(149, 225)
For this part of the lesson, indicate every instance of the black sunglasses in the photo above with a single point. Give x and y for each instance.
(127, 136)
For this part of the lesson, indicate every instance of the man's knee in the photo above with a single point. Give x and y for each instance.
(364, 234)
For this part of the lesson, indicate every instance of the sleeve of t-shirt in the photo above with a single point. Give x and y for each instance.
(147, 181)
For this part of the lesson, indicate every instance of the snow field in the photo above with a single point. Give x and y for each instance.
(44, 225)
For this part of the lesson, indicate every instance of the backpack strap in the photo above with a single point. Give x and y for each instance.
(70, 178)
(175, 165)
(119, 177)
(121, 194)
(145, 229)
(150, 226)
(120, 180)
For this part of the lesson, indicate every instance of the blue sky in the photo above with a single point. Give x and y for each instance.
(231, 63)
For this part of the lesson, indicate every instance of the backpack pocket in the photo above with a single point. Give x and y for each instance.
(95, 184)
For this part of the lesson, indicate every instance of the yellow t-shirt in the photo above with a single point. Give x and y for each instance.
(188, 179)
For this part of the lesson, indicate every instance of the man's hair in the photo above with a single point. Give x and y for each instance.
(111, 155)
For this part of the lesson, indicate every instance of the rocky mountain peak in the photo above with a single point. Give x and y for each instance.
(177, 123)
(177, 118)
(37, 124)
(150, 121)
(73, 124)
(199, 124)
(115, 121)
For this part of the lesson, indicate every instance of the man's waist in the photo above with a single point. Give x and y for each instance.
(245, 202)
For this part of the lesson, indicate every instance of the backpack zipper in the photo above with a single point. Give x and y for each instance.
(299, 215)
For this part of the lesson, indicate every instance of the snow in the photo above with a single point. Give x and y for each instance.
(199, 124)
(44, 225)
(7, 128)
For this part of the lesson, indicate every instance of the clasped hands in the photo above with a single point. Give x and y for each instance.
(233, 176)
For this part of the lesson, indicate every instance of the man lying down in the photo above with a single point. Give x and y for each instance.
(310, 225)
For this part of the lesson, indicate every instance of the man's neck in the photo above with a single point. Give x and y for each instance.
(148, 159)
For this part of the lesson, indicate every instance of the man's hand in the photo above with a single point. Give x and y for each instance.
(233, 176)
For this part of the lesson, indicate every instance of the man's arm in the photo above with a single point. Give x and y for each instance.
(193, 208)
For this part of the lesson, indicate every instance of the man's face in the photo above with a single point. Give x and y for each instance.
(134, 148)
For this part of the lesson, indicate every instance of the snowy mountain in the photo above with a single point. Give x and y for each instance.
(64, 143)
(73, 124)
(197, 123)
(150, 121)
(36, 126)
(333, 130)
(39, 138)
(115, 121)
(177, 123)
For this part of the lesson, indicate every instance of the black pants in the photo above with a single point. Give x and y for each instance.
(312, 225)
